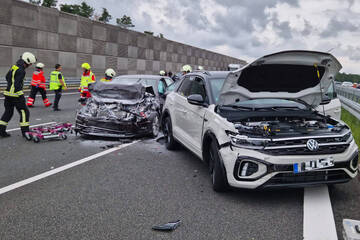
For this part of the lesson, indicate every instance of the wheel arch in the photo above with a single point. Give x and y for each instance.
(209, 136)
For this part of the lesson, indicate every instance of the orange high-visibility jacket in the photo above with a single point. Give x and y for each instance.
(38, 79)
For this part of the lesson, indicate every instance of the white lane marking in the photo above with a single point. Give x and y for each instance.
(60, 169)
(51, 94)
(41, 124)
(319, 220)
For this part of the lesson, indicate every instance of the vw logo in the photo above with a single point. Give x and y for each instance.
(312, 145)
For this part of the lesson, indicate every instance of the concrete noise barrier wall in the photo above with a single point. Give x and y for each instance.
(58, 37)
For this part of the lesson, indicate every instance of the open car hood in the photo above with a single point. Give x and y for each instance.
(287, 75)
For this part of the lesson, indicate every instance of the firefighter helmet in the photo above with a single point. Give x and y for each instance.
(40, 65)
(86, 66)
(28, 58)
(186, 68)
(162, 73)
(110, 72)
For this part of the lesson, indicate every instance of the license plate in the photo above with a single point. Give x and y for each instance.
(313, 165)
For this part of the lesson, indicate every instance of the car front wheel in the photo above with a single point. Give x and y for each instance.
(217, 171)
(170, 142)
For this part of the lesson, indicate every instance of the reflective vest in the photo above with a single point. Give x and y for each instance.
(11, 92)
(54, 80)
(106, 80)
(85, 80)
(38, 79)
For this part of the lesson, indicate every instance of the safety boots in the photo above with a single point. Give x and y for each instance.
(24, 130)
(3, 132)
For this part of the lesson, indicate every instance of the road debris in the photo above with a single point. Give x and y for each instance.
(167, 227)
(351, 229)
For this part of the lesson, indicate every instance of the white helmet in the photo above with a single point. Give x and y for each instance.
(28, 58)
(162, 73)
(186, 68)
(110, 72)
(200, 68)
(40, 65)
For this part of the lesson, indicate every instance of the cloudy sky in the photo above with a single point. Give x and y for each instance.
(248, 29)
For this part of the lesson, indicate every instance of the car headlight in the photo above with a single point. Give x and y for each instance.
(244, 141)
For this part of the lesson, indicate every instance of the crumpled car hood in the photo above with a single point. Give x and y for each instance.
(288, 75)
(112, 92)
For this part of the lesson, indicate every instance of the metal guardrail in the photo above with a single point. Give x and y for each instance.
(69, 81)
(350, 98)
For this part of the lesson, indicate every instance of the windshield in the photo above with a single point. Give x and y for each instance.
(216, 85)
(269, 103)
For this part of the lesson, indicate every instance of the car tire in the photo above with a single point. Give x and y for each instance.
(170, 142)
(155, 126)
(217, 171)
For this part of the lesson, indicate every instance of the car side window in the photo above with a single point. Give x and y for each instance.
(198, 87)
(185, 87)
(168, 81)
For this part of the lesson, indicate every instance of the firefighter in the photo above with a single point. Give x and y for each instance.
(186, 69)
(87, 78)
(14, 95)
(38, 84)
(109, 74)
(57, 83)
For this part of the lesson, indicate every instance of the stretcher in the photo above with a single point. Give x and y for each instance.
(56, 131)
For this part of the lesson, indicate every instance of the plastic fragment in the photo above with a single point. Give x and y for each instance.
(167, 227)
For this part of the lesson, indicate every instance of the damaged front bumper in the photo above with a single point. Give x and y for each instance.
(112, 128)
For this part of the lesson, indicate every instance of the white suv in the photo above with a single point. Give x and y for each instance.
(257, 127)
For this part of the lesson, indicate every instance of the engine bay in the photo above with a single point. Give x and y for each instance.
(285, 126)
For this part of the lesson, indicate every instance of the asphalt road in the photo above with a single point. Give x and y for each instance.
(121, 195)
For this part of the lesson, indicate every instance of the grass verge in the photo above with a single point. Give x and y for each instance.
(353, 123)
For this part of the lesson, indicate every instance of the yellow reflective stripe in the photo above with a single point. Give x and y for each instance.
(17, 94)
(14, 69)
(23, 115)
(3, 123)
(24, 124)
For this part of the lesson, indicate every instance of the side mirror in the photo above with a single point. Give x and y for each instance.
(196, 99)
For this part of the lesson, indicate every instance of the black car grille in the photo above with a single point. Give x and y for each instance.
(308, 177)
(332, 149)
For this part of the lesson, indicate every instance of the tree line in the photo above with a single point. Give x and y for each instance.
(87, 11)
(348, 77)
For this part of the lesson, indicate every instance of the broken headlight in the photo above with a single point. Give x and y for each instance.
(243, 141)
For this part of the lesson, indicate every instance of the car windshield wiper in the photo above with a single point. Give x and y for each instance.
(277, 108)
(239, 107)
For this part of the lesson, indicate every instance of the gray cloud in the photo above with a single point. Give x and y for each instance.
(307, 28)
(336, 26)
